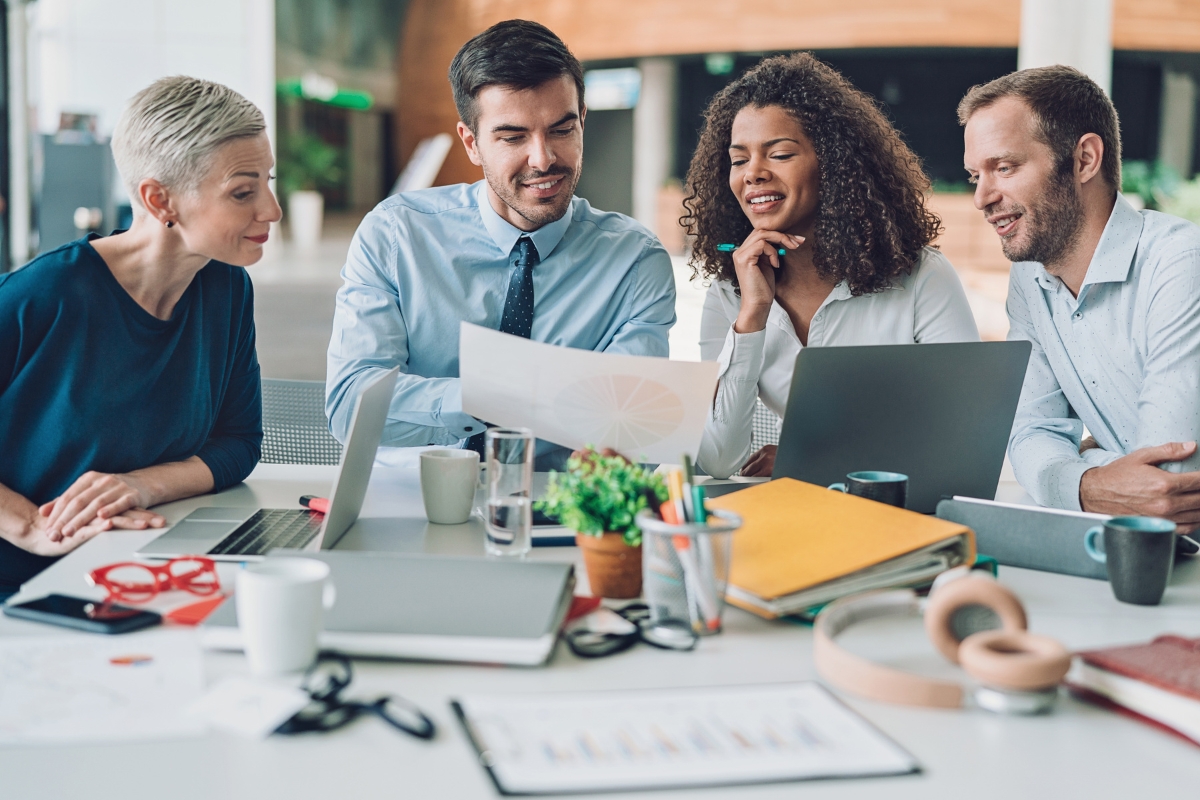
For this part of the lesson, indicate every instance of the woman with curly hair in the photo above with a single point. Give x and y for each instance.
(827, 206)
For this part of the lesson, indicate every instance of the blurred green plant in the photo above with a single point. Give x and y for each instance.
(601, 494)
(1185, 201)
(952, 187)
(307, 163)
(1154, 183)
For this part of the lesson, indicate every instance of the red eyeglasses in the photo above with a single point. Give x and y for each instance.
(134, 582)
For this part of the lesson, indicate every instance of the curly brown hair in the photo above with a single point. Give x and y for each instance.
(871, 216)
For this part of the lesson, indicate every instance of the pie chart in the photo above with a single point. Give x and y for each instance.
(624, 412)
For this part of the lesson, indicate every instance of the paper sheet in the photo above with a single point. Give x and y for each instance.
(91, 688)
(611, 741)
(649, 409)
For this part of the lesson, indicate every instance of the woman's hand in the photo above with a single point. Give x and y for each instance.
(761, 464)
(755, 262)
(102, 501)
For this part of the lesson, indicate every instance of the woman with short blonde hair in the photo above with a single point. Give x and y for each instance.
(128, 376)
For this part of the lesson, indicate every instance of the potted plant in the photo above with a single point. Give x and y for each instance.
(599, 497)
(306, 166)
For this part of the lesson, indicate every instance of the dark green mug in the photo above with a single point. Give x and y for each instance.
(883, 487)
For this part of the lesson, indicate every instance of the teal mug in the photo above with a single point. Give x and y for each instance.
(883, 487)
(1138, 553)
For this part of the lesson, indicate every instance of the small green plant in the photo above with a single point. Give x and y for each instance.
(307, 163)
(600, 494)
(1185, 202)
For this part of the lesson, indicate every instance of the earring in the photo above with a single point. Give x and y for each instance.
(170, 224)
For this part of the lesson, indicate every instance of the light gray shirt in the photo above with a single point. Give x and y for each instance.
(927, 305)
(1122, 358)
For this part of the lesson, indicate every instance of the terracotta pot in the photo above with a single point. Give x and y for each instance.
(614, 569)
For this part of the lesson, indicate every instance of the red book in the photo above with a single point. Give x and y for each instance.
(1157, 682)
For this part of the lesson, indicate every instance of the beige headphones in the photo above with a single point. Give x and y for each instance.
(974, 622)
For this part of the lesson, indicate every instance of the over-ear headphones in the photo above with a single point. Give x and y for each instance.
(973, 621)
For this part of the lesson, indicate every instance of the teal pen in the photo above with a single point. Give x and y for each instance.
(701, 514)
(729, 248)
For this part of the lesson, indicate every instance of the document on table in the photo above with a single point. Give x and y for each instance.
(89, 688)
(649, 409)
(612, 741)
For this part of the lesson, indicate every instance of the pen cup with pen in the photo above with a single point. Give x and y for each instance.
(686, 567)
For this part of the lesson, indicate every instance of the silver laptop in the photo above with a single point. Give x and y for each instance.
(433, 608)
(238, 534)
(938, 413)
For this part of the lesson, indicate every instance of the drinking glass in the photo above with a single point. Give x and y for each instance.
(508, 518)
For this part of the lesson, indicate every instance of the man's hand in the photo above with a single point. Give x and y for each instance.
(1134, 484)
(99, 499)
(761, 464)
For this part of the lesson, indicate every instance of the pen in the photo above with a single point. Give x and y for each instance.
(729, 248)
(700, 513)
(676, 486)
(689, 477)
(314, 503)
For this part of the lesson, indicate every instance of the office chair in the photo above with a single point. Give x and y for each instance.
(295, 430)
(764, 428)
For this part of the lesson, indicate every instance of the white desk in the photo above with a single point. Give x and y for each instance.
(1078, 751)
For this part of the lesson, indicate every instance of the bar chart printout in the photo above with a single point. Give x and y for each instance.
(605, 741)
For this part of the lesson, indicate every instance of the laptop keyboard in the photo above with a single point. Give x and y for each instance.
(268, 529)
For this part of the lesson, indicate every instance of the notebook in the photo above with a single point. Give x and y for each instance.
(803, 545)
(1157, 683)
(431, 608)
(610, 741)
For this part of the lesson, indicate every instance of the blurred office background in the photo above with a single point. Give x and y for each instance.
(353, 88)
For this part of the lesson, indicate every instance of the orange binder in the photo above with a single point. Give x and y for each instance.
(803, 545)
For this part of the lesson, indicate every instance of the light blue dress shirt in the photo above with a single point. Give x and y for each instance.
(1123, 358)
(421, 262)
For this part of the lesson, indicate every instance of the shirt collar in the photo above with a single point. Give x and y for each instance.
(505, 234)
(1115, 251)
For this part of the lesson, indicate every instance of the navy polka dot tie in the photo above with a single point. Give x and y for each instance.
(518, 306)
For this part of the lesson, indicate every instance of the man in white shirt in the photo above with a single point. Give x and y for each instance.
(1109, 296)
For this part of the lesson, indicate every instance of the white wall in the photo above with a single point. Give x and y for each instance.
(93, 55)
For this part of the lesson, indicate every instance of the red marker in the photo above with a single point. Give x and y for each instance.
(314, 503)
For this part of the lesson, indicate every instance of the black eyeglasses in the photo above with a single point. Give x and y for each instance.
(324, 682)
(668, 634)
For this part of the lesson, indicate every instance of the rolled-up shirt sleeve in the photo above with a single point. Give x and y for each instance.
(370, 337)
(1046, 433)
(727, 433)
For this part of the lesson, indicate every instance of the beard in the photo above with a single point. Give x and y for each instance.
(1053, 223)
(538, 212)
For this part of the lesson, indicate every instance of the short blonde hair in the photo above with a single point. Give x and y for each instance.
(171, 129)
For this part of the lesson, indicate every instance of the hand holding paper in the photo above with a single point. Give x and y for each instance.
(649, 409)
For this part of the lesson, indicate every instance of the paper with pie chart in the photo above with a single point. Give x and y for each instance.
(649, 409)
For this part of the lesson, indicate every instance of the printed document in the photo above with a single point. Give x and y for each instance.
(613, 741)
(103, 689)
(648, 409)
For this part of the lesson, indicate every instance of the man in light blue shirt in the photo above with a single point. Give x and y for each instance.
(1109, 296)
(515, 252)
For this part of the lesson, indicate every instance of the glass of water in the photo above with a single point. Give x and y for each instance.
(508, 518)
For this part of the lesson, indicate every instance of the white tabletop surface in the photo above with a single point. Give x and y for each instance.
(1078, 751)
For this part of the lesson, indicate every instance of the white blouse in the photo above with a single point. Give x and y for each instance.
(926, 306)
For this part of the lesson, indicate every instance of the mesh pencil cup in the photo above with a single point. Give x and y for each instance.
(685, 568)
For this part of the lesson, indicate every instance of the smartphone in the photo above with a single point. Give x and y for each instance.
(85, 615)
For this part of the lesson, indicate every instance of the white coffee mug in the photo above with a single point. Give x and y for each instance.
(448, 482)
(280, 606)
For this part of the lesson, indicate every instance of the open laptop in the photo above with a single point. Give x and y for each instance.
(238, 534)
(939, 413)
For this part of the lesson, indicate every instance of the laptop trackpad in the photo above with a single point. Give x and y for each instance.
(188, 537)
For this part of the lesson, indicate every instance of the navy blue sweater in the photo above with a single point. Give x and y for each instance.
(89, 380)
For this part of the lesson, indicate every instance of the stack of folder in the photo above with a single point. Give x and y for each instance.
(803, 545)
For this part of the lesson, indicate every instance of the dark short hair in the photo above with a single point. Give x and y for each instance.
(1066, 105)
(515, 53)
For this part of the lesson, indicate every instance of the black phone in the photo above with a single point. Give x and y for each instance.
(94, 616)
